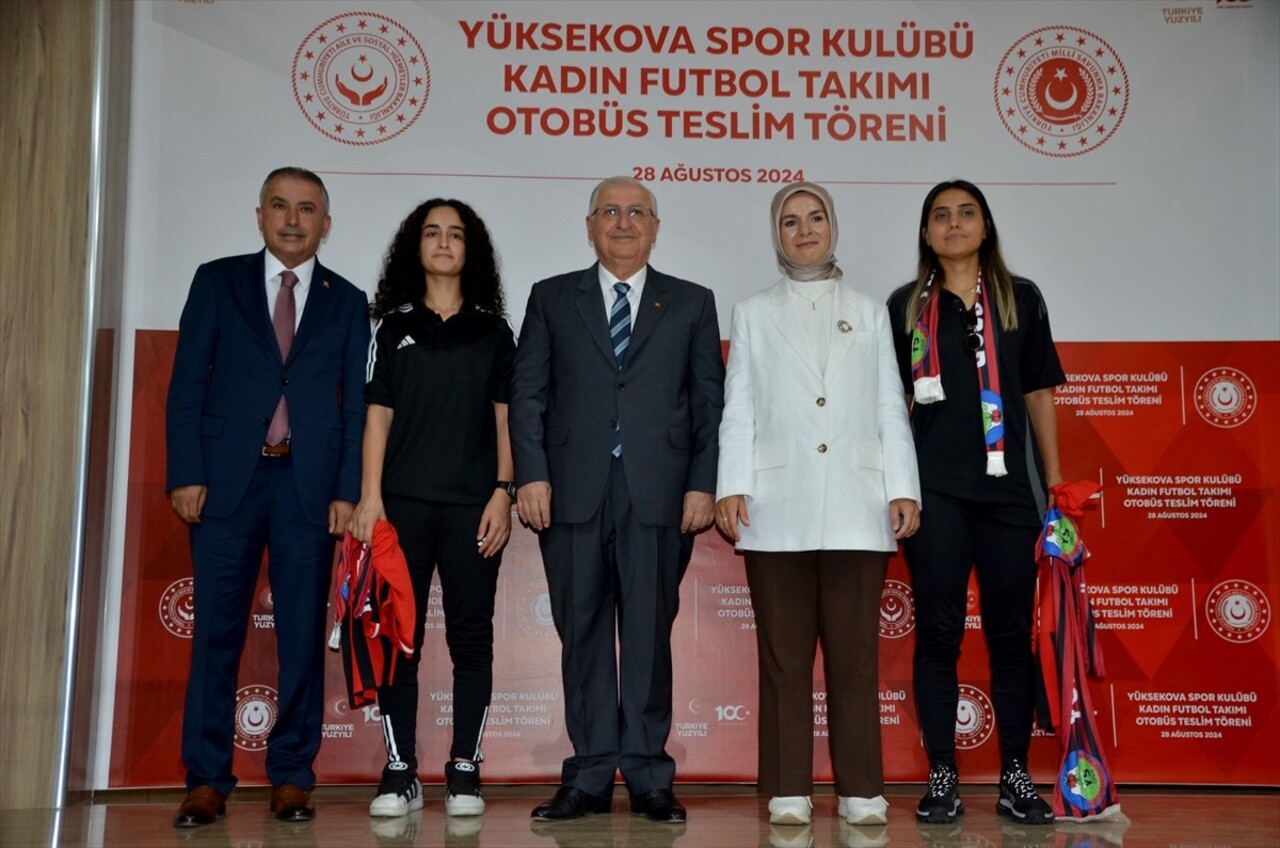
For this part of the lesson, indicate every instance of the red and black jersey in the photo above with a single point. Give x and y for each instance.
(374, 612)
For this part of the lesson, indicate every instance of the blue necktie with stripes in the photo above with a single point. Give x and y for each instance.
(620, 336)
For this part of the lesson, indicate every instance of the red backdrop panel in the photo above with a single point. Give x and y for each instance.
(1183, 580)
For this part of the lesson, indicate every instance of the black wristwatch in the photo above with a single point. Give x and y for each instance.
(508, 487)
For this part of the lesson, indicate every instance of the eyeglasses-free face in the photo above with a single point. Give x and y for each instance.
(956, 228)
(804, 230)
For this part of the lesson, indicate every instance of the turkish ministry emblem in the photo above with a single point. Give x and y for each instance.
(361, 78)
(256, 711)
(897, 610)
(1238, 611)
(975, 717)
(1225, 397)
(178, 608)
(1061, 91)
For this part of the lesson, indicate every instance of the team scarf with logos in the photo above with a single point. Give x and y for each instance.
(926, 368)
(1069, 656)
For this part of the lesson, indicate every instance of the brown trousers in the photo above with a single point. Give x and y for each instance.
(799, 598)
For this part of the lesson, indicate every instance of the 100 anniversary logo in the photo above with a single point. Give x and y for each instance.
(1061, 91)
(361, 78)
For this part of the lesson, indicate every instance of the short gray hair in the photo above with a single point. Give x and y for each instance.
(627, 181)
(297, 173)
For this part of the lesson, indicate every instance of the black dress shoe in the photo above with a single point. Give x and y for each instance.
(660, 805)
(570, 803)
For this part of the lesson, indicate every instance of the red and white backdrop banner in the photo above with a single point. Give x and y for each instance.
(1129, 151)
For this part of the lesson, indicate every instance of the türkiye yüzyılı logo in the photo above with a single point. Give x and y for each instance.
(1061, 91)
(361, 78)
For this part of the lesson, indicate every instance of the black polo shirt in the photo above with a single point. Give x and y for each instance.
(950, 445)
(442, 379)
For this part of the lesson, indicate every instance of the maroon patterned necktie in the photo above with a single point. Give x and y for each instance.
(283, 319)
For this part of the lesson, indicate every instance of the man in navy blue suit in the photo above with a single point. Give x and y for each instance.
(264, 423)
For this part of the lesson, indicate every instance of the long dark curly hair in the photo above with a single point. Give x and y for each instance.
(403, 280)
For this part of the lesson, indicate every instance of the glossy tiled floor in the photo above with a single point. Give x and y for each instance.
(719, 817)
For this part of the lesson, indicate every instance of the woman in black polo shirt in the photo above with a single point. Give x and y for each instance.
(979, 366)
(437, 464)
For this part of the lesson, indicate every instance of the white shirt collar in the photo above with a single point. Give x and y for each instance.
(274, 267)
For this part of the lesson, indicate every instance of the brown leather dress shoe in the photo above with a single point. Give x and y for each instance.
(292, 804)
(204, 805)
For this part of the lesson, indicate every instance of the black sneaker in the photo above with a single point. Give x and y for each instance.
(462, 789)
(941, 804)
(399, 792)
(1018, 798)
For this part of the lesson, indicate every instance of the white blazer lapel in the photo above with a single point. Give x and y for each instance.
(790, 328)
(845, 315)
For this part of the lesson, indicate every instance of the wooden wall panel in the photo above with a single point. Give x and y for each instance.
(46, 55)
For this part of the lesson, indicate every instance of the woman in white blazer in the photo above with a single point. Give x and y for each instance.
(817, 483)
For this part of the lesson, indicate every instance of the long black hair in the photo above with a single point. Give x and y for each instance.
(994, 271)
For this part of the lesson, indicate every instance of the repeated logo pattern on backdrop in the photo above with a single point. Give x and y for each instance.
(1182, 617)
(716, 106)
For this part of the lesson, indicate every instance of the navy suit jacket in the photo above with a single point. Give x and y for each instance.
(228, 377)
(567, 395)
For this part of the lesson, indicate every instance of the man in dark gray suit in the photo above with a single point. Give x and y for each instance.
(614, 412)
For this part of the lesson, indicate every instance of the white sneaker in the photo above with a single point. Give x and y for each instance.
(790, 837)
(401, 830)
(397, 798)
(463, 805)
(863, 810)
(854, 836)
(790, 809)
(462, 790)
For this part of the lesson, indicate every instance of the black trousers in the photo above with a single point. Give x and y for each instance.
(439, 535)
(616, 582)
(955, 537)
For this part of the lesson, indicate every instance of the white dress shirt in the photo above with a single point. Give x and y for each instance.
(633, 296)
(274, 268)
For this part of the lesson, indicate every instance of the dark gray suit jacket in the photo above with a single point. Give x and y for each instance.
(568, 394)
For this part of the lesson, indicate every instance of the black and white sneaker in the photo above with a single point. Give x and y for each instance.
(941, 804)
(399, 792)
(1018, 798)
(462, 789)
